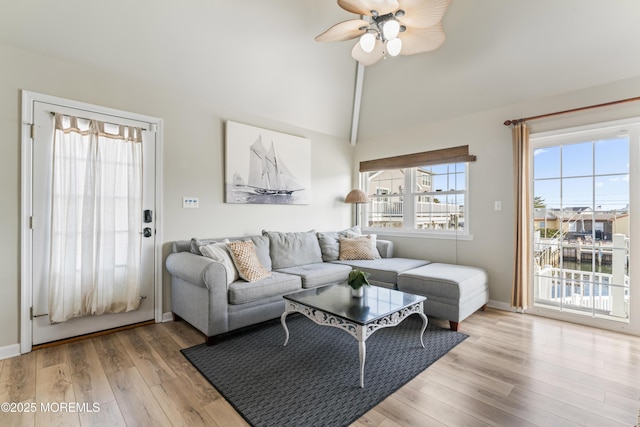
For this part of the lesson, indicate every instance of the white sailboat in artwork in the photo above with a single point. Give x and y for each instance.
(268, 175)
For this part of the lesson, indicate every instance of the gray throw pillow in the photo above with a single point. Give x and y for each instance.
(330, 242)
(262, 249)
(293, 249)
(195, 245)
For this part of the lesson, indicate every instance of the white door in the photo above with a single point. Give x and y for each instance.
(42, 330)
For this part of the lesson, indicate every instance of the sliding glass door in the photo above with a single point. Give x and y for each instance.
(582, 216)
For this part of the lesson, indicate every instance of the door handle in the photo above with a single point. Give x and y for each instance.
(146, 232)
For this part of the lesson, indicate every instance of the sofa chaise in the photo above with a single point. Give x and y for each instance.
(210, 294)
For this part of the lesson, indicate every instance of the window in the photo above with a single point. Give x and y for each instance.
(437, 201)
(418, 192)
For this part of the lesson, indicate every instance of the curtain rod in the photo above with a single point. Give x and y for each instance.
(53, 113)
(557, 113)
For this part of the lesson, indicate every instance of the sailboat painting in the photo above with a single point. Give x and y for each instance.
(264, 166)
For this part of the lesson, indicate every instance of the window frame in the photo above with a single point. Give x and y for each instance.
(576, 134)
(409, 219)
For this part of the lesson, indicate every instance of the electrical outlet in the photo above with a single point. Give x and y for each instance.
(497, 205)
(190, 202)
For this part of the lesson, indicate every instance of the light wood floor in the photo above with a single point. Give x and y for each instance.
(513, 370)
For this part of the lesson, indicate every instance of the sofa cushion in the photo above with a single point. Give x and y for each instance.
(384, 269)
(330, 242)
(277, 284)
(449, 283)
(292, 249)
(246, 261)
(356, 248)
(220, 252)
(319, 274)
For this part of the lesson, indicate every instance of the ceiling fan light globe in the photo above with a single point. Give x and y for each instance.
(367, 42)
(394, 47)
(391, 29)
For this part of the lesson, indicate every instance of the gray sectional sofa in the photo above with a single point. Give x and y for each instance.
(202, 295)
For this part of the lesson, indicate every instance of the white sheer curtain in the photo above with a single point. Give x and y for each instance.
(96, 219)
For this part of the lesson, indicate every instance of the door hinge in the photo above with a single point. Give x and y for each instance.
(31, 313)
(31, 222)
(33, 130)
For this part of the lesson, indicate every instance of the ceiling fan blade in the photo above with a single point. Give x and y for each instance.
(418, 40)
(364, 7)
(422, 13)
(368, 58)
(345, 30)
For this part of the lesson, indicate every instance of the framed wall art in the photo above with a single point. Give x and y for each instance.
(266, 167)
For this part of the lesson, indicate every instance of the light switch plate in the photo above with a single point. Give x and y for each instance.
(497, 205)
(190, 202)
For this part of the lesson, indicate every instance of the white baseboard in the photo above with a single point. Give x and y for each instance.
(499, 305)
(8, 351)
(167, 317)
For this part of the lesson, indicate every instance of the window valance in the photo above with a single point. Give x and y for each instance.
(458, 154)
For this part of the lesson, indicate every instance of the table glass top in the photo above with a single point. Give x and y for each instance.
(377, 302)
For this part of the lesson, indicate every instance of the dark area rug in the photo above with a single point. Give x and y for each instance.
(314, 380)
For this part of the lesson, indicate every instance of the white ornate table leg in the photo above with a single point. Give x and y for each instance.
(362, 351)
(284, 325)
(425, 322)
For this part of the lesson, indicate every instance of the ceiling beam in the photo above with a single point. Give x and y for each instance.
(357, 100)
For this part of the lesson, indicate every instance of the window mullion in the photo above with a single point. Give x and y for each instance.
(408, 204)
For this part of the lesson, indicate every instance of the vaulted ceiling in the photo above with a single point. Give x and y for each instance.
(259, 56)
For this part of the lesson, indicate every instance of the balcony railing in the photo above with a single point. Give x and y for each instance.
(390, 210)
(580, 290)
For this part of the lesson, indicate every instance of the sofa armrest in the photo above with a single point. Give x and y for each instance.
(385, 247)
(198, 270)
(199, 291)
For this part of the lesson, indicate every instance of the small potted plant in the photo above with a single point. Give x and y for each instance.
(357, 280)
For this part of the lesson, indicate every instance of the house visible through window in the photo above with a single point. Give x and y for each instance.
(421, 192)
(437, 200)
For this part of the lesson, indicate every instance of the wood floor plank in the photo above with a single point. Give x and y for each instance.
(167, 348)
(137, 403)
(403, 414)
(18, 378)
(51, 356)
(464, 402)
(224, 415)
(467, 384)
(183, 334)
(181, 405)
(54, 389)
(151, 366)
(436, 409)
(108, 415)
(89, 379)
(112, 354)
(374, 418)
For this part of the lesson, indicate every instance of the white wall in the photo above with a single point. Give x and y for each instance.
(193, 161)
(491, 176)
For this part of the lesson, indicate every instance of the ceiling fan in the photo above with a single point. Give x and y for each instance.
(404, 27)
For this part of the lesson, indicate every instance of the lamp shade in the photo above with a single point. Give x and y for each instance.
(356, 196)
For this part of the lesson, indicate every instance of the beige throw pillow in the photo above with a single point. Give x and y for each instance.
(218, 251)
(356, 248)
(374, 242)
(246, 260)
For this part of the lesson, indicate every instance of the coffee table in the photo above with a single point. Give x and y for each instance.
(334, 306)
